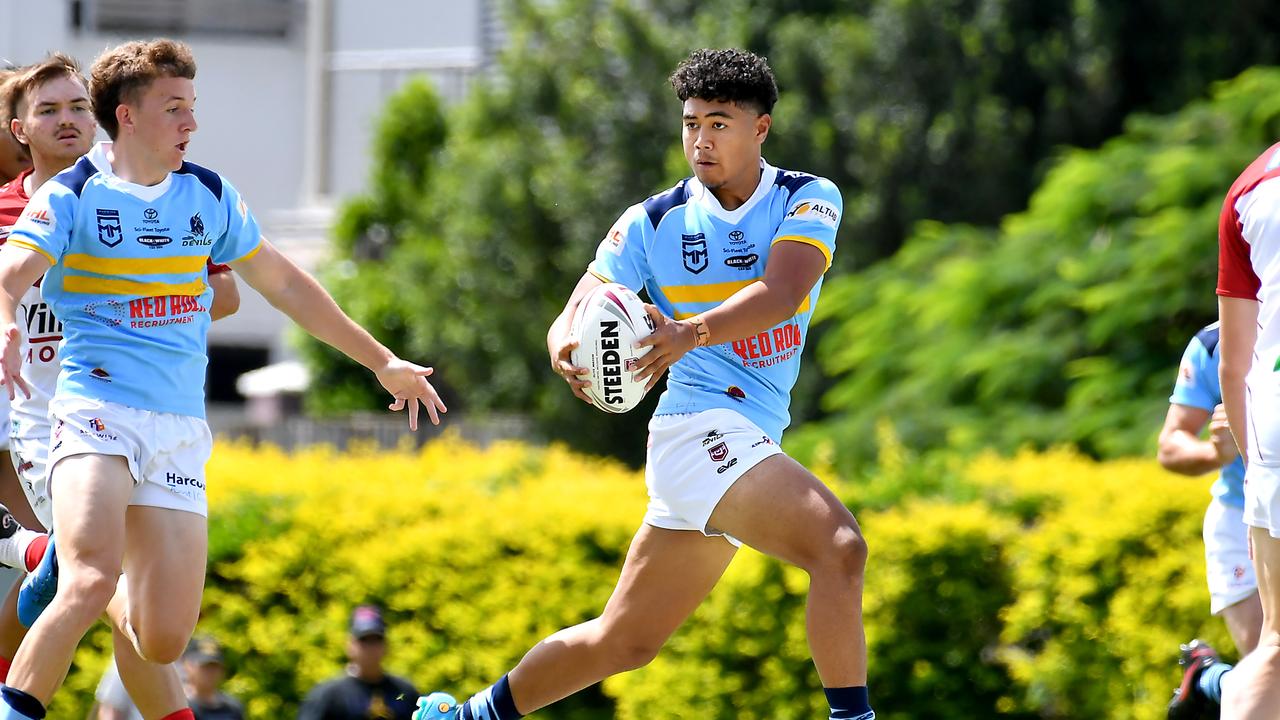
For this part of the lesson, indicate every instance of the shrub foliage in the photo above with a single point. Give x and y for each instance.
(1040, 586)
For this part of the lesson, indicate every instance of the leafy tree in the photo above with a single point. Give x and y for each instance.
(1065, 324)
(476, 228)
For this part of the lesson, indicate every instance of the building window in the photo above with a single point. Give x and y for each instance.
(251, 18)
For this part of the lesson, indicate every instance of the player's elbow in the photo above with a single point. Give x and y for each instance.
(1232, 374)
(1174, 456)
(1168, 458)
(226, 300)
(786, 302)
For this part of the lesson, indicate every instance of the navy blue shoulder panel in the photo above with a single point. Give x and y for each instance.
(207, 177)
(1208, 337)
(661, 204)
(792, 180)
(75, 177)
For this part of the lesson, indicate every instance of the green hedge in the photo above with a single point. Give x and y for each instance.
(1038, 586)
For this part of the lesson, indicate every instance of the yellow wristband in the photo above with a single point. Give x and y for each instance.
(701, 333)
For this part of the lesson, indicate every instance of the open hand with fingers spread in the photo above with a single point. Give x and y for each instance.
(11, 360)
(408, 384)
(670, 340)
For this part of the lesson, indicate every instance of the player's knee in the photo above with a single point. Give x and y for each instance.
(158, 643)
(844, 555)
(87, 592)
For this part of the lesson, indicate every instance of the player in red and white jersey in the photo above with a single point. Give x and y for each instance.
(14, 157)
(15, 160)
(1249, 310)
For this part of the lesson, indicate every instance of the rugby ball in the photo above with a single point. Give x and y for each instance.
(607, 323)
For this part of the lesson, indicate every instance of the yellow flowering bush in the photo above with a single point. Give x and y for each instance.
(1039, 586)
(1108, 578)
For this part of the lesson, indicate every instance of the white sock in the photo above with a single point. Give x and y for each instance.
(13, 549)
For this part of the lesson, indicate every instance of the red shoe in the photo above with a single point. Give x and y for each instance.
(1188, 702)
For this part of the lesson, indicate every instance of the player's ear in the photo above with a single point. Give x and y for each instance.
(15, 127)
(764, 121)
(124, 116)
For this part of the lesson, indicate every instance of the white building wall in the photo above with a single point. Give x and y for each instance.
(257, 107)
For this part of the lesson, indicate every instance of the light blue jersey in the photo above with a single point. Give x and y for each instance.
(129, 278)
(1198, 387)
(690, 254)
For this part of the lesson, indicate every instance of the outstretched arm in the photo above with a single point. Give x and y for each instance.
(298, 295)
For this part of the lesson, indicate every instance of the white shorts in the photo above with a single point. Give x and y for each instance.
(1262, 497)
(166, 452)
(692, 461)
(31, 461)
(1226, 556)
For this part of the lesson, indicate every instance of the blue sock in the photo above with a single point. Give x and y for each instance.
(493, 703)
(1211, 681)
(19, 706)
(849, 703)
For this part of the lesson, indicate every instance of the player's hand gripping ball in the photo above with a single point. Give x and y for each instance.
(607, 323)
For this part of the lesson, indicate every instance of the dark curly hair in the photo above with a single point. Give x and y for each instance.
(731, 75)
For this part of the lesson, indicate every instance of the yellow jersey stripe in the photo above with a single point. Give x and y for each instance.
(135, 266)
(251, 253)
(804, 306)
(28, 246)
(714, 292)
(116, 286)
(826, 251)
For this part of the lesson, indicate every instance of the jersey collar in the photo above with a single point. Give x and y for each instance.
(702, 196)
(100, 157)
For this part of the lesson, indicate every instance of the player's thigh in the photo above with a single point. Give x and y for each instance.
(781, 509)
(666, 575)
(92, 493)
(164, 563)
(1266, 563)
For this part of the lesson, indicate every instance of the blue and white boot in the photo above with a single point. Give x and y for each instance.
(39, 587)
(436, 706)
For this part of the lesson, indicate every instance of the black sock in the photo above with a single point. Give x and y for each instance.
(849, 703)
(23, 703)
(494, 703)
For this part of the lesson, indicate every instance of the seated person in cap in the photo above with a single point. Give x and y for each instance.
(204, 670)
(366, 692)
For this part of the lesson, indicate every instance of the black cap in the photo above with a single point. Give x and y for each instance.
(367, 621)
(202, 650)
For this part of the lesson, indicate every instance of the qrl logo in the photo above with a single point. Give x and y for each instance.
(693, 249)
(611, 362)
(109, 232)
